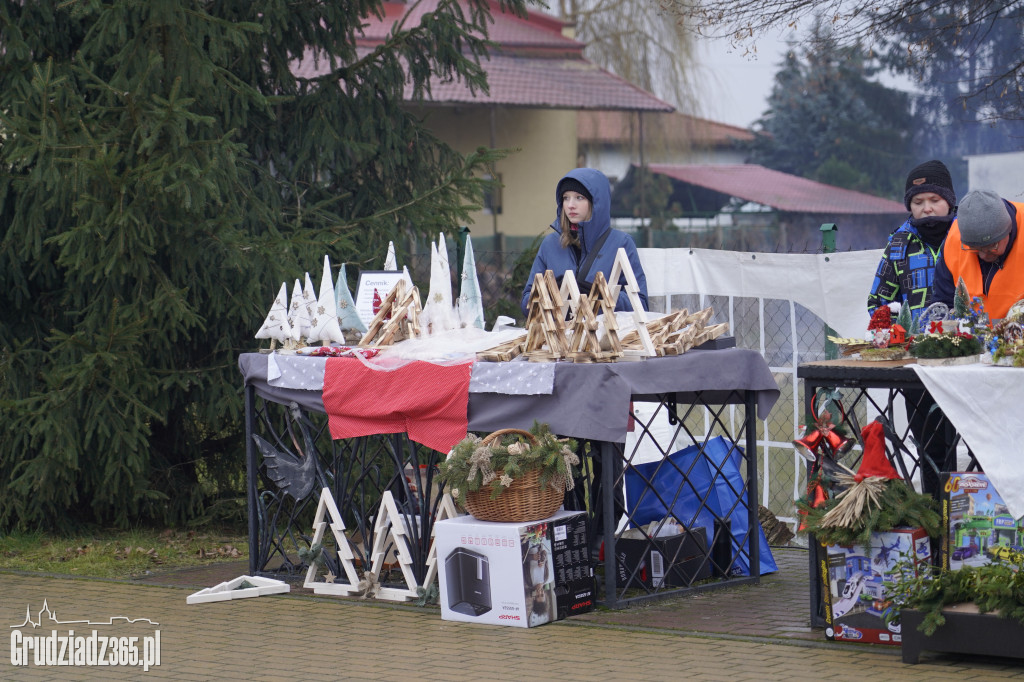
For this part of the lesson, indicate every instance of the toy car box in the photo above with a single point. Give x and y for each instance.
(979, 527)
(519, 574)
(854, 579)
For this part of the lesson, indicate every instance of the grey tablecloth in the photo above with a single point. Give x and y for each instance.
(589, 400)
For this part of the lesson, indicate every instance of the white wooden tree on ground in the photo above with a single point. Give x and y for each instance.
(327, 509)
(391, 530)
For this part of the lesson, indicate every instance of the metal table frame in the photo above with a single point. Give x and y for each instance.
(895, 378)
(358, 470)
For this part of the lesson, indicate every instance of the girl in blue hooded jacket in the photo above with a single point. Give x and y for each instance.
(583, 241)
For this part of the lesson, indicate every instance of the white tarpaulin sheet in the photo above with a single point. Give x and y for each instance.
(834, 286)
(984, 404)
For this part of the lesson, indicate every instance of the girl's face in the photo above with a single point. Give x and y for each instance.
(576, 207)
(928, 204)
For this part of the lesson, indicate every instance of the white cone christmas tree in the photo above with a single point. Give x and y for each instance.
(348, 318)
(324, 321)
(389, 260)
(471, 305)
(438, 314)
(276, 327)
(298, 315)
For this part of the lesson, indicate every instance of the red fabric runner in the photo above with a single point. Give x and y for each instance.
(429, 402)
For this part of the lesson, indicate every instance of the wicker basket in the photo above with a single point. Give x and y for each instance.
(524, 500)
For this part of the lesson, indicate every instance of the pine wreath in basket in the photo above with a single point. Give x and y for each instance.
(511, 475)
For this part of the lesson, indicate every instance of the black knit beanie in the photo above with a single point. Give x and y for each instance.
(930, 176)
(572, 185)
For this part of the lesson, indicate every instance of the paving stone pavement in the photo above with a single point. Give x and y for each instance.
(755, 632)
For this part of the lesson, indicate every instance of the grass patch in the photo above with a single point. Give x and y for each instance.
(121, 554)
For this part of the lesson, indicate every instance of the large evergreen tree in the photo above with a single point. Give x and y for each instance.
(830, 120)
(162, 171)
(960, 59)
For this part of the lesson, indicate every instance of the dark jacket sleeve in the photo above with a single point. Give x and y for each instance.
(885, 285)
(538, 266)
(943, 286)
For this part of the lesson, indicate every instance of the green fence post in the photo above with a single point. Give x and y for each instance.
(828, 245)
(460, 251)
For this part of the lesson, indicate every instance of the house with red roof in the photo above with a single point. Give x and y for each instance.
(538, 82)
(615, 140)
(747, 207)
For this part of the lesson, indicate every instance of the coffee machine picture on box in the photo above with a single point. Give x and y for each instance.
(468, 578)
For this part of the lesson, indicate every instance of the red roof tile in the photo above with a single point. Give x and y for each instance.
(617, 127)
(533, 65)
(779, 190)
(550, 83)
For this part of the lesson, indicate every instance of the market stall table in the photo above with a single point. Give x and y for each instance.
(877, 388)
(584, 401)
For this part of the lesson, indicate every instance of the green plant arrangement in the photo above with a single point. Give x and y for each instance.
(950, 345)
(477, 462)
(1008, 343)
(873, 500)
(994, 588)
(1007, 339)
(894, 505)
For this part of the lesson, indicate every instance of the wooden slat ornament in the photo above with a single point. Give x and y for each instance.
(398, 318)
(570, 292)
(545, 324)
(505, 351)
(622, 268)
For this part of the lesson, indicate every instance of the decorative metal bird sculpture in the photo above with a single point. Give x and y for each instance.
(294, 474)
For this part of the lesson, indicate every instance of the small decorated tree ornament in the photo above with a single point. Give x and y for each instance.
(961, 301)
(905, 319)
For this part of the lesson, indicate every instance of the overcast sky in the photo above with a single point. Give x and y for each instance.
(736, 81)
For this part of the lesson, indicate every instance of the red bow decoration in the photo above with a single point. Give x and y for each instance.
(935, 327)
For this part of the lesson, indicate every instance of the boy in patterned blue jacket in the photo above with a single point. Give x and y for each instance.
(905, 275)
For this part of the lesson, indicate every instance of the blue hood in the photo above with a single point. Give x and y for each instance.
(601, 208)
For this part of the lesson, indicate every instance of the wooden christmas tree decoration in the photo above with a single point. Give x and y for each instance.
(677, 332)
(622, 268)
(397, 319)
(504, 352)
(570, 293)
(603, 303)
(545, 320)
(584, 344)
(445, 510)
(327, 508)
(390, 531)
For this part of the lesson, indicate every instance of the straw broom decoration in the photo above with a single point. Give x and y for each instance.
(875, 499)
(861, 494)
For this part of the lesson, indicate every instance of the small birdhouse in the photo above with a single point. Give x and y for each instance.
(897, 335)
